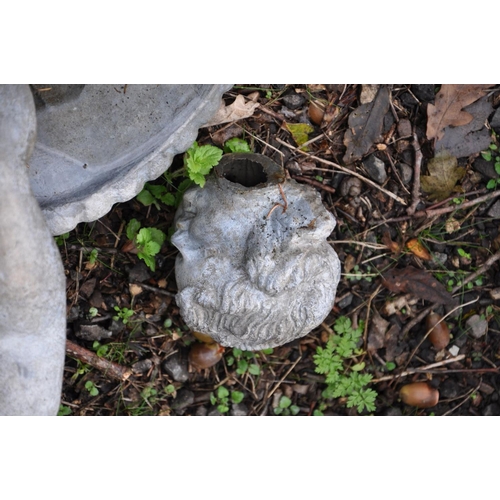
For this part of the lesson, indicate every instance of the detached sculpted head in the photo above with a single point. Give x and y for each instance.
(254, 269)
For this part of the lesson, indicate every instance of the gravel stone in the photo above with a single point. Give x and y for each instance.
(92, 332)
(239, 410)
(404, 128)
(406, 173)
(184, 399)
(293, 101)
(177, 367)
(478, 327)
(494, 211)
(139, 272)
(376, 169)
(495, 121)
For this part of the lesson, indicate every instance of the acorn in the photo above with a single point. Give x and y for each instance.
(316, 112)
(440, 333)
(419, 394)
(205, 355)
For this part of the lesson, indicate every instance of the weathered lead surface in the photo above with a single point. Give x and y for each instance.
(252, 274)
(98, 144)
(32, 283)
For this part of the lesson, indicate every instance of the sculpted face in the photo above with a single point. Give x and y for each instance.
(251, 274)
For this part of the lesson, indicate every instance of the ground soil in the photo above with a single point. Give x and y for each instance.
(142, 367)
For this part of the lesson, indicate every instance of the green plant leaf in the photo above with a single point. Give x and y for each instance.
(254, 369)
(146, 198)
(242, 366)
(222, 392)
(133, 228)
(237, 397)
(491, 184)
(285, 402)
(236, 145)
(201, 159)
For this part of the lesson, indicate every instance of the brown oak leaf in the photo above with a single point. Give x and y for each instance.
(448, 107)
(443, 175)
(417, 282)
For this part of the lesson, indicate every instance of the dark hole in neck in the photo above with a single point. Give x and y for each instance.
(248, 173)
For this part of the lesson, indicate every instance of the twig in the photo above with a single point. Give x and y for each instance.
(284, 377)
(466, 397)
(110, 368)
(343, 169)
(154, 289)
(277, 204)
(314, 183)
(441, 211)
(367, 319)
(376, 246)
(481, 270)
(415, 192)
(412, 371)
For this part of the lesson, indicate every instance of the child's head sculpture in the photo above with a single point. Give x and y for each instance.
(254, 270)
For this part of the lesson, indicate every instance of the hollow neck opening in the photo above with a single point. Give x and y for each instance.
(246, 172)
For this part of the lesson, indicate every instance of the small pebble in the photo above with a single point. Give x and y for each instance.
(376, 169)
(184, 399)
(139, 272)
(293, 101)
(142, 366)
(404, 128)
(406, 173)
(239, 410)
(478, 326)
(92, 332)
(177, 367)
(494, 211)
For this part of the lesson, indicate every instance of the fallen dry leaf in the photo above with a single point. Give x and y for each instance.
(417, 282)
(391, 245)
(239, 109)
(418, 249)
(376, 333)
(448, 108)
(365, 126)
(471, 138)
(443, 176)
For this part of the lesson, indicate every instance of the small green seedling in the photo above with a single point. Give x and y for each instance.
(236, 145)
(222, 396)
(285, 407)
(463, 253)
(91, 387)
(242, 358)
(123, 313)
(101, 350)
(93, 256)
(343, 380)
(149, 394)
(81, 369)
(357, 275)
(93, 312)
(199, 161)
(64, 411)
(61, 239)
(491, 154)
(148, 241)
